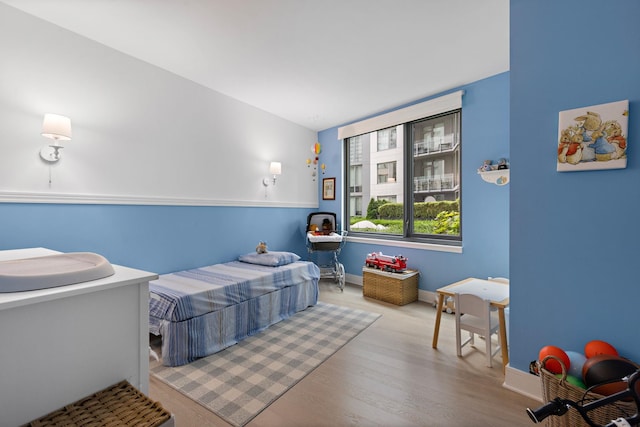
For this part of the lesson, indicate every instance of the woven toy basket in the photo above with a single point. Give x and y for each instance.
(116, 406)
(394, 288)
(553, 387)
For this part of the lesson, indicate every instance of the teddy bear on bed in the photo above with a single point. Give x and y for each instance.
(261, 248)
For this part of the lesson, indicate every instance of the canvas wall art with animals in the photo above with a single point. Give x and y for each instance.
(593, 137)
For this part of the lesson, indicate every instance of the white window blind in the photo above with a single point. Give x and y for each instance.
(442, 104)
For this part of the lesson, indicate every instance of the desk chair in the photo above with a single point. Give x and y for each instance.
(473, 314)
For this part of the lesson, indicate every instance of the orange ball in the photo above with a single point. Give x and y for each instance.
(597, 347)
(552, 365)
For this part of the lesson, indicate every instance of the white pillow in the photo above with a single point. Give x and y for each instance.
(271, 259)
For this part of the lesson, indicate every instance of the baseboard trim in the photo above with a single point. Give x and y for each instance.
(427, 296)
(523, 383)
(353, 279)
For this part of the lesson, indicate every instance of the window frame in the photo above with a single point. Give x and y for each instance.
(406, 117)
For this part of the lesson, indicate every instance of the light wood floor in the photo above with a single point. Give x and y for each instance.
(389, 375)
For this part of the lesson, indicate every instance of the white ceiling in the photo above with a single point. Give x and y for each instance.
(318, 63)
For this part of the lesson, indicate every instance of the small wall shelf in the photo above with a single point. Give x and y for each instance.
(497, 177)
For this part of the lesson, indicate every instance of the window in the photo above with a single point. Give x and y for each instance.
(405, 177)
(356, 151)
(387, 139)
(388, 198)
(386, 172)
(355, 206)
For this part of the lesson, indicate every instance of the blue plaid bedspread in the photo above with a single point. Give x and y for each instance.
(204, 310)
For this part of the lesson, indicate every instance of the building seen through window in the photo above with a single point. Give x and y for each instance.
(404, 181)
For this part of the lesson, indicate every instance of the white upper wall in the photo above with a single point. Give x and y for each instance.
(298, 59)
(140, 134)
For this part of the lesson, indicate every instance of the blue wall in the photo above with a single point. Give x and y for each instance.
(574, 236)
(485, 207)
(159, 239)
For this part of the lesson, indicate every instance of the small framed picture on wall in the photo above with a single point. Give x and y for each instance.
(328, 189)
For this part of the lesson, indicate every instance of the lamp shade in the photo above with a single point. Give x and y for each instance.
(56, 127)
(275, 168)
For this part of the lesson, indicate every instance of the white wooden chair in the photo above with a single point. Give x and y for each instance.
(473, 314)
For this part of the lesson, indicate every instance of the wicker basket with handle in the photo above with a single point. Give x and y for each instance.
(553, 386)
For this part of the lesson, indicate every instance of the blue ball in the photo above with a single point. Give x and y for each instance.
(577, 362)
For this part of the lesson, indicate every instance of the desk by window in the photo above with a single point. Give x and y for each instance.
(494, 291)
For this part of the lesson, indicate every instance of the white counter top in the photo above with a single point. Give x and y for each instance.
(123, 276)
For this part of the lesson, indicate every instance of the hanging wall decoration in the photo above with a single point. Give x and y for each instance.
(315, 149)
(593, 138)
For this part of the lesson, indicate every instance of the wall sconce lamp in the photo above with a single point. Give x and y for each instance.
(275, 169)
(57, 128)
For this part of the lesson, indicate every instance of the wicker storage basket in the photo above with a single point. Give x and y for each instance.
(118, 405)
(395, 288)
(553, 387)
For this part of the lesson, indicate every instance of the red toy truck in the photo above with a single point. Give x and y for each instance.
(396, 263)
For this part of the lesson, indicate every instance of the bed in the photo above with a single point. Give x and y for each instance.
(201, 311)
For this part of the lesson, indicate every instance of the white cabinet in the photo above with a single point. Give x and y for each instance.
(61, 344)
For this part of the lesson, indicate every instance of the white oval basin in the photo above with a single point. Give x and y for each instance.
(50, 271)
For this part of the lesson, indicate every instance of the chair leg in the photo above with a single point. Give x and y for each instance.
(458, 342)
(488, 350)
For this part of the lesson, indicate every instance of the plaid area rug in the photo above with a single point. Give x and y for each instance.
(241, 381)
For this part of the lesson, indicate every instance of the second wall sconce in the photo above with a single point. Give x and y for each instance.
(275, 169)
(57, 128)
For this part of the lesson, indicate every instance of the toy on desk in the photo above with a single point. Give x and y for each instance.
(396, 264)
